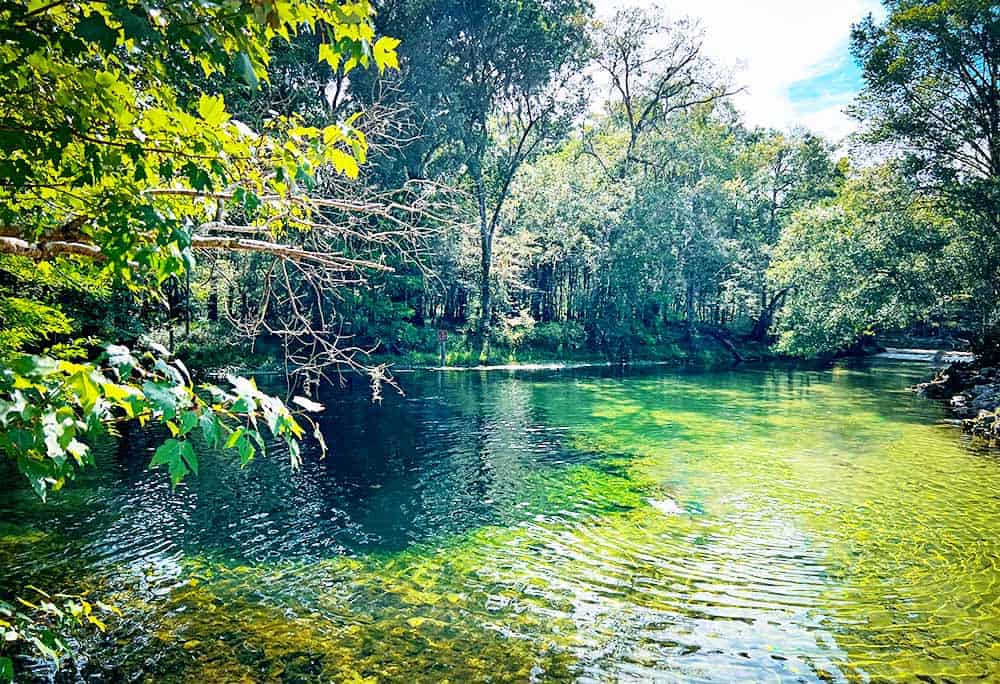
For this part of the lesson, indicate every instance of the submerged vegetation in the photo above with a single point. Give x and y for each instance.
(514, 548)
(190, 190)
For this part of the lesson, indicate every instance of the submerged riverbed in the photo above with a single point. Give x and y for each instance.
(752, 525)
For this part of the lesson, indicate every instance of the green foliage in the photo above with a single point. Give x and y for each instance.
(50, 305)
(105, 152)
(50, 412)
(682, 239)
(105, 146)
(211, 347)
(931, 84)
(99, 102)
(558, 337)
(870, 261)
(109, 149)
(932, 81)
(497, 77)
(27, 323)
(469, 62)
(515, 330)
(41, 623)
(915, 239)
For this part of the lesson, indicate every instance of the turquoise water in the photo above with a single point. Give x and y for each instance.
(771, 524)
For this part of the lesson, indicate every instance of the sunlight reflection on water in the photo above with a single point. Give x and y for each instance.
(785, 524)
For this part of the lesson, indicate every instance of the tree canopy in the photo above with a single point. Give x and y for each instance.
(108, 154)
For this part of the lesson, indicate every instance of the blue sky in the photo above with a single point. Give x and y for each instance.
(837, 79)
(819, 99)
(793, 56)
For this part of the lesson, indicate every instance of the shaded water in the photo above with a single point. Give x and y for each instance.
(754, 525)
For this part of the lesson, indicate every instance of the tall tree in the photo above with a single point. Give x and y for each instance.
(654, 68)
(932, 93)
(932, 97)
(492, 77)
(781, 174)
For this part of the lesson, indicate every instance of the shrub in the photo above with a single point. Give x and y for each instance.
(558, 337)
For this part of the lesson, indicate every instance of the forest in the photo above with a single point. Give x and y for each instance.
(192, 192)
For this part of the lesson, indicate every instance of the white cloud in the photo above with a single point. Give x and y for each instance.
(775, 43)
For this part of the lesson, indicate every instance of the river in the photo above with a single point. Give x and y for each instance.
(768, 524)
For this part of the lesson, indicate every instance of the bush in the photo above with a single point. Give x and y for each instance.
(987, 346)
(558, 337)
(403, 337)
(208, 348)
(514, 331)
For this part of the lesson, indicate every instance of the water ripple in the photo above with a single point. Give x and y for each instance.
(762, 525)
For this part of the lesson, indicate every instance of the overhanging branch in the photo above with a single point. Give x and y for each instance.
(41, 251)
(48, 250)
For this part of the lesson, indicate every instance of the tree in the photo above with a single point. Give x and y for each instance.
(655, 68)
(110, 152)
(932, 99)
(528, 122)
(870, 261)
(780, 174)
(685, 207)
(932, 93)
(562, 205)
(491, 79)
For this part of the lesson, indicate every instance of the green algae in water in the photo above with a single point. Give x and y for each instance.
(755, 525)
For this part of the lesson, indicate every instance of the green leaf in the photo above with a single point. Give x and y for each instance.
(178, 456)
(190, 457)
(187, 256)
(211, 428)
(6, 670)
(96, 30)
(136, 26)
(85, 389)
(105, 79)
(213, 109)
(47, 644)
(234, 437)
(162, 397)
(329, 55)
(246, 449)
(245, 71)
(189, 419)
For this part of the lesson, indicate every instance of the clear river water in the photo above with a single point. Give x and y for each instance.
(770, 524)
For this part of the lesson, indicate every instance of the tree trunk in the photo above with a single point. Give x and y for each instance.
(213, 301)
(689, 305)
(729, 346)
(763, 324)
(485, 264)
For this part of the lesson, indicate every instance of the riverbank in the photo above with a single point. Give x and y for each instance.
(972, 391)
(703, 350)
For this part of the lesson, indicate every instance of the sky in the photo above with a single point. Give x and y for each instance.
(793, 56)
